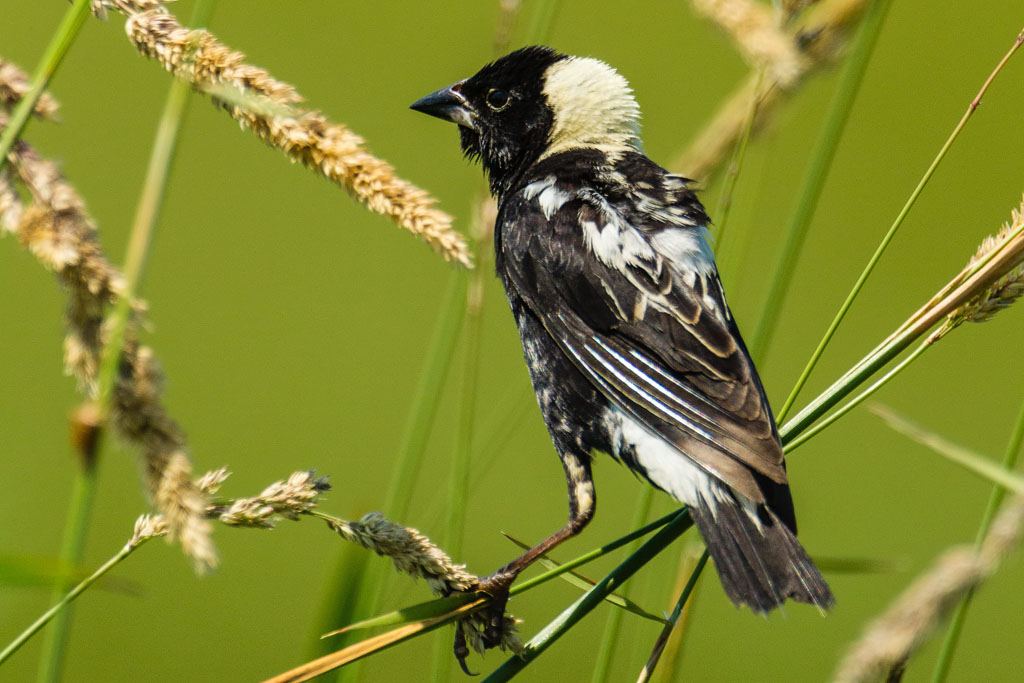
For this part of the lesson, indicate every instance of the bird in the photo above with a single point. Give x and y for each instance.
(632, 350)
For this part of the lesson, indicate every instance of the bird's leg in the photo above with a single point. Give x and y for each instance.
(581, 510)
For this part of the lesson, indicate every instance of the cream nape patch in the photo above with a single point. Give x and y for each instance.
(593, 107)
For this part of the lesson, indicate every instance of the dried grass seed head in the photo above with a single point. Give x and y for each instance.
(906, 625)
(15, 84)
(306, 136)
(100, 7)
(411, 552)
(58, 231)
(1004, 291)
(296, 496)
(756, 32)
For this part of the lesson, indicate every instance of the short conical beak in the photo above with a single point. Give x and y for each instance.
(448, 104)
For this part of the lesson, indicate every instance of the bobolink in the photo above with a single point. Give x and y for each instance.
(630, 344)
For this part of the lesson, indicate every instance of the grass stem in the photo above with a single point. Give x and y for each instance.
(594, 597)
(995, 499)
(673, 619)
(60, 43)
(817, 173)
(856, 400)
(834, 325)
(148, 209)
(605, 651)
(39, 623)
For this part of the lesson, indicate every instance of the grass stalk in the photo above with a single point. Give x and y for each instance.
(606, 649)
(148, 209)
(856, 400)
(834, 325)
(970, 282)
(60, 43)
(594, 597)
(542, 21)
(732, 172)
(817, 172)
(70, 597)
(151, 200)
(995, 499)
(425, 403)
(673, 619)
(76, 528)
(458, 489)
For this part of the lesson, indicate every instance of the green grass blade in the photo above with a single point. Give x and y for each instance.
(60, 43)
(856, 400)
(995, 499)
(592, 555)
(817, 172)
(834, 325)
(966, 458)
(584, 583)
(586, 603)
(408, 615)
(424, 406)
(606, 649)
(677, 611)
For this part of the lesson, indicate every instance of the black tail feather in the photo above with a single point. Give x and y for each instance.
(760, 567)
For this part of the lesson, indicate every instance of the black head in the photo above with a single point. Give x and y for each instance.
(504, 117)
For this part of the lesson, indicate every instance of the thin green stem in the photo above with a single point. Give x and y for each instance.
(427, 396)
(817, 172)
(424, 406)
(146, 214)
(542, 21)
(55, 52)
(673, 619)
(458, 490)
(856, 400)
(593, 554)
(607, 648)
(39, 623)
(834, 325)
(732, 173)
(970, 282)
(76, 528)
(592, 598)
(995, 499)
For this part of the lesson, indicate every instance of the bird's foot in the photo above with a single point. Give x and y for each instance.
(496, 586)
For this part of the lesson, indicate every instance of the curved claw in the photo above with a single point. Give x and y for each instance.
(461, 650)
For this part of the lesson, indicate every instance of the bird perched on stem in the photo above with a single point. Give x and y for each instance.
(628, 338)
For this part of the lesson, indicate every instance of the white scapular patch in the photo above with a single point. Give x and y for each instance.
(547, 194)
(593, 106)
(616, 244)
(687, 249)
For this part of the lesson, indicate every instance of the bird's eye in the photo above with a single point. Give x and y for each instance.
(498, 99)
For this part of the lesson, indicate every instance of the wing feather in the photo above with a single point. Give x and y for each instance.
(649, 329)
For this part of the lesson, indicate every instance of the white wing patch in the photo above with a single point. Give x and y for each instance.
(668, 468)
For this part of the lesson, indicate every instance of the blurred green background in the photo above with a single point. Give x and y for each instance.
(292, 326)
